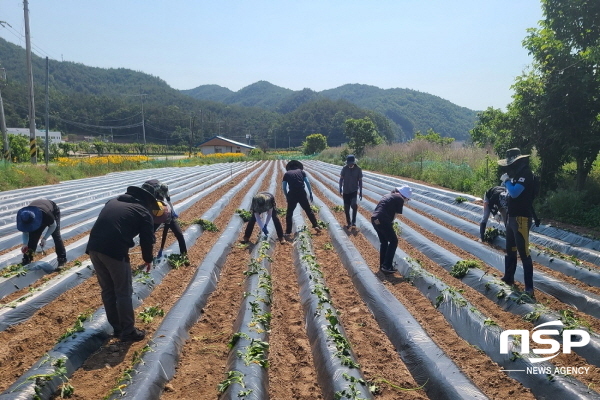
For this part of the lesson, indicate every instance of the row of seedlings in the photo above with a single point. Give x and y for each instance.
(246, 375)
(471, 324)
(76, 349)
(338, 371)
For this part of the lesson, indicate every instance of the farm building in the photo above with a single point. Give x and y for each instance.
(55, 137)
(220, 144)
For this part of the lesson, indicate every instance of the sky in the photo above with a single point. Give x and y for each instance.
(466, 51)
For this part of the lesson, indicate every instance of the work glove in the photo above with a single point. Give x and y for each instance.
(360, 196)
(148, 266)
(265, 230)
(311, 198)
(24, 249)
(504, 177)
(174, 214)
(43, 242)
(159, 255)
(498, 217)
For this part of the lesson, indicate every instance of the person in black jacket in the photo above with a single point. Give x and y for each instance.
(170, 222)
(32, 220)
(383, 221)
(495, 202)
(519, 183)
(119, 222)
(294, 182)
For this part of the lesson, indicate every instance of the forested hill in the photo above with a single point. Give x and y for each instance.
(409, 110)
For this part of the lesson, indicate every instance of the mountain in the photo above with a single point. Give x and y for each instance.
(409, 110)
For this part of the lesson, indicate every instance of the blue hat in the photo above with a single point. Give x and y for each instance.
(29, 219)
(350, 159)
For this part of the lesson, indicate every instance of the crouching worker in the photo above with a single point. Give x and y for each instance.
(32, 220)
(263, 202)
(383, 222)
(495, 203)
(166, 215)
(121, 220)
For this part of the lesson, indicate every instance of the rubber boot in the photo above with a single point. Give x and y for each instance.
(528, 274)
(510, 267)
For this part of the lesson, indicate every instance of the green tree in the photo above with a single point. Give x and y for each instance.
(433, 137)
(19, 147)
(566, 52)
(314, 143)
(361, 133)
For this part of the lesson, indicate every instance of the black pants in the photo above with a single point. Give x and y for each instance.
(276, 222)
(174, 226)
(34, 238)
(517, 241)
(293, 199)
(114, 277)
(350, 202)
(388, 242)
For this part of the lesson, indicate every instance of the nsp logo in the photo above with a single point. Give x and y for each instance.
(570, 338)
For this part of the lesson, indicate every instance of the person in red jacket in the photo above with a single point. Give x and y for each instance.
(121, 220)
(32, 220)
(383, 222)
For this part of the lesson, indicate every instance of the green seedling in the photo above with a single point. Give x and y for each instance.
(397, 228)
(14, 270)
(491, 234)
(178, 260)
(206, 225)
(245, 214)
(77, 327)
(460, 269)
(315, 208)
(460, 199)
(148, 314)
(337, 208)
(231, 378)
(327, 246)
(281, 211)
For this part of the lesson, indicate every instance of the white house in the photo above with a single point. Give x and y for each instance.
(220, 144)
(55, 137)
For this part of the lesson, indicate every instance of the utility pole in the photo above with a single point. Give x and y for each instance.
(32, 146)
(192, 122)
(143, 123)
(47, 152)
(5, 148)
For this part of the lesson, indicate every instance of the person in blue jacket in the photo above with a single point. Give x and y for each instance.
(294, 183)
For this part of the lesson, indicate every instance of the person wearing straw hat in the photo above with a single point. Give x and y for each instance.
(32, 220)
(383, 221)
(294, 183)
(119, 222)
(519, 182)
(351, 187)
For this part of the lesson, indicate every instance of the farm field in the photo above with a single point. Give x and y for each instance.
(312, 318)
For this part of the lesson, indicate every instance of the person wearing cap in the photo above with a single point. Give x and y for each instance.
(495, 202)
(32, 220)
(263, 203)
(383, 221)
(518, 180)
(294, 182)
(351, 187)
(167, 216)
(119, 222)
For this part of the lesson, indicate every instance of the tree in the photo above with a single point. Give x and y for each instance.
(566, 52)
(314, 143)
(361, 133)
(19, 147)
(433, 137)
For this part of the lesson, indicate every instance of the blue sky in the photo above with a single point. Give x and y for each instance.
(466, 51)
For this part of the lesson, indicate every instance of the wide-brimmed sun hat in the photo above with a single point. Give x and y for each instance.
(29, 219)
(405, 191)
(147, 194)
(512, 155)
(294, 164)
